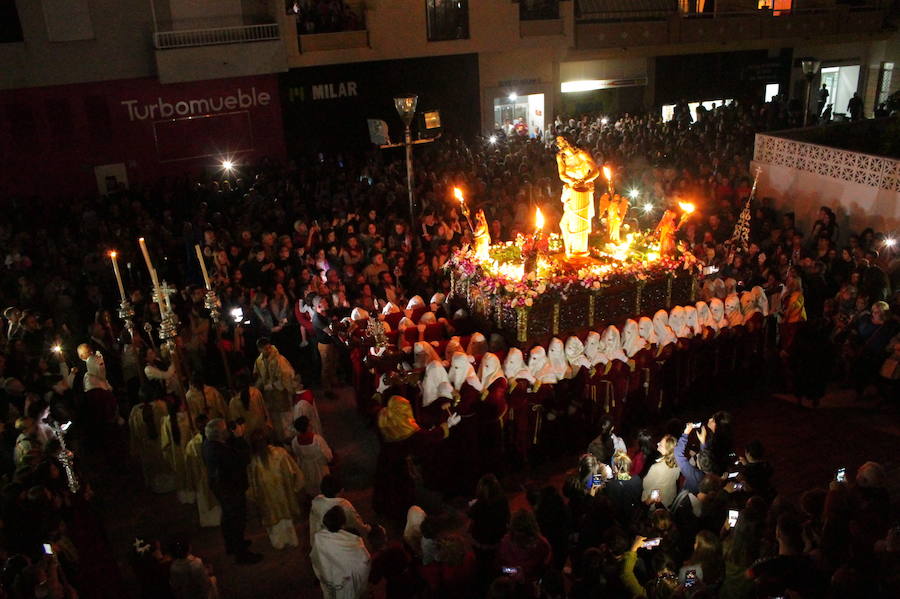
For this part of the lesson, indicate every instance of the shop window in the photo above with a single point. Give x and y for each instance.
(884, 83)
(447, 19)
(10, 27)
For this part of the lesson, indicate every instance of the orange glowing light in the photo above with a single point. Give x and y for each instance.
(687, 207)
(607, 173)
(113, 254)
(538, 219)
(458, 194)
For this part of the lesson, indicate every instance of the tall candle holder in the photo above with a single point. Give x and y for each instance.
(211, 303)
(126, 313)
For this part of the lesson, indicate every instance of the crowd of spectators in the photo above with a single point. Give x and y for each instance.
(278, 239)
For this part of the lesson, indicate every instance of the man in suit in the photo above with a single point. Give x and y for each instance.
(226, 456)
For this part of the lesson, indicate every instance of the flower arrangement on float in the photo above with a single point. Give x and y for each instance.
(504, 277)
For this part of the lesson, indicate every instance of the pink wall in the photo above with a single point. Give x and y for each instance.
(51, 138)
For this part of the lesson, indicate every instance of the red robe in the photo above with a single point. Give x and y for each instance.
(395, 488)
(490, 413)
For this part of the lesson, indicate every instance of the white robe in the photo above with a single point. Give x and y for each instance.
(313, 460)
(341, 562)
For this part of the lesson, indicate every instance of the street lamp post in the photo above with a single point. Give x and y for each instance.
(810, 67)
(406, 108)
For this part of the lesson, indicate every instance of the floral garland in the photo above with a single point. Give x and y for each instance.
(565, 280)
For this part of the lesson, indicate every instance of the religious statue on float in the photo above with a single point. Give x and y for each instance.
(615, 207)
(577, 170)
(482, 236)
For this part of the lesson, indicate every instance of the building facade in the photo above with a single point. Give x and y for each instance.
(108, 72)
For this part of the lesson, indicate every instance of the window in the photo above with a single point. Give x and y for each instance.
(772, 90)
(447, 19)
(532, 10)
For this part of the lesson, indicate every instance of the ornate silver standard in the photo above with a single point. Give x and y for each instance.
(126, 313)
(65, 457)
(375, 329)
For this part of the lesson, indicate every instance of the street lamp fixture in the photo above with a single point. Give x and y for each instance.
(406, 108)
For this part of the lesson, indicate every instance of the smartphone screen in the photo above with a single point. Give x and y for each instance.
(48, 550)
(510, 571)
(841, 475)
(651, 543)
(690, 578)
(654, 495)
(738, 486)
(732, 518)
(732, 475)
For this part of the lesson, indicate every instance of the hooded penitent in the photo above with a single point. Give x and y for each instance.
(677, 322)
(462, 372)
(514, 366)
(489, 370)
(435, 374)
(733, 310)
(664, 335)
(632, 342)
(717, 312)
(612, 340)
(593, 350)
(575, 355)
(645, 328)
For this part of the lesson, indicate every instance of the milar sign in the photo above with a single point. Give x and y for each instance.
(325, 91)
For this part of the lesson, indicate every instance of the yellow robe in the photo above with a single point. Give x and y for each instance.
(275, 483)
(175, 456)
(209, 402)
(207, 506)
(147, 447)
(278, 381)
(255, 417)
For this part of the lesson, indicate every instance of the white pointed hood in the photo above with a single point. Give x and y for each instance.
(404, 324)
(435, 374)
(632, 342)
(359, 314)
(717, 313)
(664, 335)
(575, 355)
(462, 371)
(537, 359)
(593, 349)
(762, 300)
(556, 367)
(437, 300)
(453, 346)
(677, 322)
(490, 370)
(704, 316)
(612, 340)
(477, 345)
(428, 318)
(415, 301)
(692, 320)
(423, 354)
(749, 307)
(733, 310)
(646, 330)
(390, 308)
(514, 366)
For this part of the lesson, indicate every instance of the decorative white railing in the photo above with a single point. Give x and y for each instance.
(213, 37)
(846, 165)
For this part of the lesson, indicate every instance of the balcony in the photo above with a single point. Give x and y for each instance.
(219, 52)
(630, 23)
(165, 40)
(540, 19)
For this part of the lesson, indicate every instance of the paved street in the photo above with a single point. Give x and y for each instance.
(806, 447)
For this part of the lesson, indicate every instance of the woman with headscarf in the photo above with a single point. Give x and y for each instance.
(402, 440)
(490, 413)
(519, 414)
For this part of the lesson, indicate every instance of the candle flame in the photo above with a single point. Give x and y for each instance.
(687, 207)
(607, 173)
(458, 194)
(538, 219)
(113, 254)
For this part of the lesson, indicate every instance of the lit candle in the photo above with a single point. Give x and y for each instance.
(686, 210)
(153, 276)
(113, 256)
(607, 173)
(202, 265)
(538, 220)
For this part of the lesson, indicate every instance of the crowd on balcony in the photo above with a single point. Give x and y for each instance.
(297, 254)
(325, 16)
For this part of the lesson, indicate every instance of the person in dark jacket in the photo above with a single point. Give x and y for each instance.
(226, 457)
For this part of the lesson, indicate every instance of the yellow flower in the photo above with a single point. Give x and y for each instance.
(528, 301)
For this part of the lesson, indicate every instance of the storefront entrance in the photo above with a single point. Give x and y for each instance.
(523, 114)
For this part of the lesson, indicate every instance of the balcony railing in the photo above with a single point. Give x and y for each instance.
(217, 36)
(657, 10)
